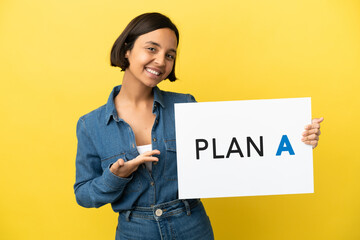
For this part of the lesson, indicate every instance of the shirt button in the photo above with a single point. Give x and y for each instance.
(155, 163)
(157, 121)
(133, 145)
(152, 183)
(154, 139)
(158, 212)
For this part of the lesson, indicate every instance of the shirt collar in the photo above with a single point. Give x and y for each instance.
(110, 110)
(158, 97)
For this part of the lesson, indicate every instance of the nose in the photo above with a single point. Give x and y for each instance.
(160, 60)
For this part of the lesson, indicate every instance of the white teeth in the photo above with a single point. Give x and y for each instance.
(152, 71)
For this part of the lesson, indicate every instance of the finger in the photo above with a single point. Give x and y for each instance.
(310, 137)
(142, 159)
(116, 166)
(312, 126)
(149, 153)
(317, 120)
(308, 127)
(312, 131)
(150, 159)
(313, 143)
(120, 162)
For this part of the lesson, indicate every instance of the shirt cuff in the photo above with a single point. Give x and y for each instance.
(115, 182)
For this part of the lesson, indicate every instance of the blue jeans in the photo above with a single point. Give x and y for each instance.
(178, 219)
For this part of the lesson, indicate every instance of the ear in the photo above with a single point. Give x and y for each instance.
(127, 52)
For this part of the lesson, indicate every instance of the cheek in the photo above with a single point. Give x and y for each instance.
(169, 67)
(139, 59)
(143, 59)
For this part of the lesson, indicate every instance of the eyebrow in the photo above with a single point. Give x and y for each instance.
(156, 44)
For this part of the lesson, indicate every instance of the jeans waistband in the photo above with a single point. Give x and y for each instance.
(163, 209)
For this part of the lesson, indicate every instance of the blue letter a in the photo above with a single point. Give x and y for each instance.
(285, 146)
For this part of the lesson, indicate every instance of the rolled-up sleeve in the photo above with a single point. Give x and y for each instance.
(94, 186)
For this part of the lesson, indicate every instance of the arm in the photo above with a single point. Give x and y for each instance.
(94, 186)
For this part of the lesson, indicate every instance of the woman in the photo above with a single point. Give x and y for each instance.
(126, 148)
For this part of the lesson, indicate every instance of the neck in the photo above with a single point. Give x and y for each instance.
(134, 92)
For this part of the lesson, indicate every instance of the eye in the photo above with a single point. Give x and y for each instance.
(151, 49)
(171, 57)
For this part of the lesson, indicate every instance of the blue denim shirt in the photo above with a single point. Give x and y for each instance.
(103, 138)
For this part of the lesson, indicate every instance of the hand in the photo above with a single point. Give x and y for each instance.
(124, 169)
(312, 132)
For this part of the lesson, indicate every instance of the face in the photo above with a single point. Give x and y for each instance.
(152, 57)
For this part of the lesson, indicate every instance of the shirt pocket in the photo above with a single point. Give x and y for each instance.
(135, 184)
(106, 162)
(170, 165)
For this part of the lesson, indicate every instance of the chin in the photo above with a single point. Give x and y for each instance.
(152, 83)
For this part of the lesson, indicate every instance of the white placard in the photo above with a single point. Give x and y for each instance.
(243, 148)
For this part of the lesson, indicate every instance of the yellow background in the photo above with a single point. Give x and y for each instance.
(54, 61)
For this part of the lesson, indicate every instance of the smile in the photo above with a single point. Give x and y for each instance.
(152, 71)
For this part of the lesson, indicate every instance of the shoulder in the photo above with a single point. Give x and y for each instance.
(102, 113)
(174, 97)
(94, 117)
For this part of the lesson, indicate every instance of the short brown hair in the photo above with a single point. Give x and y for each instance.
(140, 25)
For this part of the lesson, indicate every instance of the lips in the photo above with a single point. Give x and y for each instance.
(153, 71)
